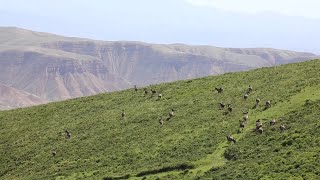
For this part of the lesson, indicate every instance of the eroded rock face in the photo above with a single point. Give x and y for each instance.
(55, 68)
(11, 97)
(55, 78)
(144, 64)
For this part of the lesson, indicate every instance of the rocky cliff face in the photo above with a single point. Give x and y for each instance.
(144, 64)
(11, 97)
(54, 78)
(55, 68)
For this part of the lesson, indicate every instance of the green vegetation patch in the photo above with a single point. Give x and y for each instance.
(103, 144)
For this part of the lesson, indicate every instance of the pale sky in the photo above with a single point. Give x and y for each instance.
(284, 24)
(304, 8)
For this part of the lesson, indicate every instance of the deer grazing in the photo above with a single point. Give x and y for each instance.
(68, 134)
(245, 116)
(245, 97)
(282, 128)
(123, 114)
(161, 121)
(221, 105)
(273, 122)
(54, 153)
(171, 113)
(231, 139)
(219, 90)
(268, 104)
(230, 109)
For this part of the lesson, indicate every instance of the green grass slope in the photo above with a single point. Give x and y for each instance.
(191, 145)
(293, 154)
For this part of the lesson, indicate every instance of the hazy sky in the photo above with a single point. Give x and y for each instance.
(304, 8)
(286, 24)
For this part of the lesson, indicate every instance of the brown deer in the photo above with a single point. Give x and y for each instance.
(282, 127)
(245, 116)
(245, 97)
(273, 122)
(54, 153)
(161, 121)
(230, 109)
(231, 139)
(219, 90)
(68, 134)
(268, 104)
(222, 105)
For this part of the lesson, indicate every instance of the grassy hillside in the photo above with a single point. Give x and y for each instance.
(190, 145)
(293, 154)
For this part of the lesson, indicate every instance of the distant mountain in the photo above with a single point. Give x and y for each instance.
(55, 68)
(13, 98)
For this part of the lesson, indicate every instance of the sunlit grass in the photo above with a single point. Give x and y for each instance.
(103, 144)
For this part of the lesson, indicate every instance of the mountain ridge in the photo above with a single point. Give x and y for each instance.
(59, 68)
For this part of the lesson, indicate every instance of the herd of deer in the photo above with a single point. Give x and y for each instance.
(259, 125)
